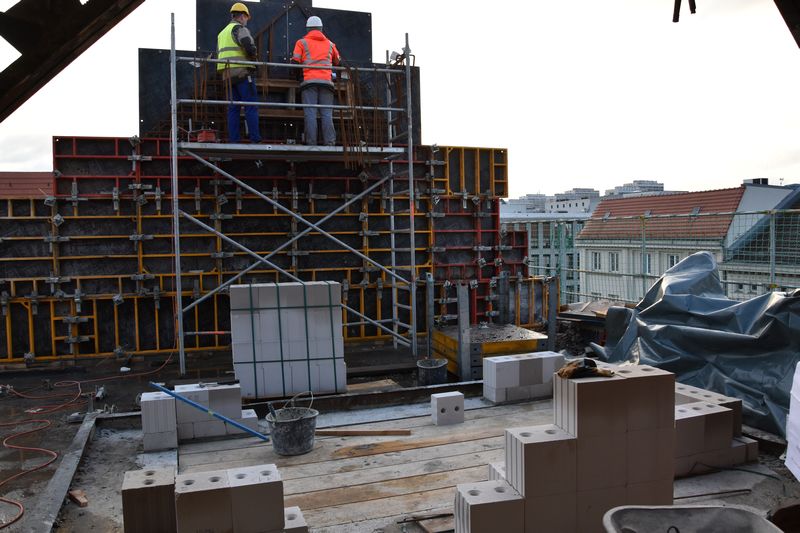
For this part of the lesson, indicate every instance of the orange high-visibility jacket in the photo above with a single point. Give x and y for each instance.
(317, 50)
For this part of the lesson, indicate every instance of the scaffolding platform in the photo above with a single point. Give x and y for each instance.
(296, 152)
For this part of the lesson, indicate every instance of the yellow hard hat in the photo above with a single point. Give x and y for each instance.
(239, 7)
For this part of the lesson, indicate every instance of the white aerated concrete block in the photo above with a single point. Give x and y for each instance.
(158, 412)
(651, 397)
(185, 431)
(497, 471)
(494, 395)
(187, 413)
(488, 507)
(248, 419)
(294, 522)
(500, 372)
(541, 460)
(256, 498)
(165, 440)
(208, 428)
(225, 399)
(447, 408)
(203, 502)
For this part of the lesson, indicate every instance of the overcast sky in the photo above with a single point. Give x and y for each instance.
(586, 93)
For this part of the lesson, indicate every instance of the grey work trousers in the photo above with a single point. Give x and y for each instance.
(322, 95)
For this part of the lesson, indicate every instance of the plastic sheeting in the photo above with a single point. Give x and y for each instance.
(685, 324)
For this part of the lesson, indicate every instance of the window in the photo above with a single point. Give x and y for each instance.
(613, 261)
(646, 263)
(596, 262)
(672, 260)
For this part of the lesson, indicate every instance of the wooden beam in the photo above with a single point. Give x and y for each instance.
(361, 432)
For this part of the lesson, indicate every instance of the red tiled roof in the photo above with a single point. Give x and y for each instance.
(606, 223)
(25, 184)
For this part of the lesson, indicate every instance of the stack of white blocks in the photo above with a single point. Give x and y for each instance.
(226, 400)
(159, 421)
(793, 427)
(287, 338)
(612, 444)
(509, 378)
(245, 500)
(447, 408)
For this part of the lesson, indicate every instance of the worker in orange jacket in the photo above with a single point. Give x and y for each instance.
(317, 87)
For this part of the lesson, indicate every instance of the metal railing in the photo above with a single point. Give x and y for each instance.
(619, 258)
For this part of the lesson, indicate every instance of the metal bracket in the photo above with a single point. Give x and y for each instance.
(432, 214)
(75, 319)
(221, 216)
(221, 255)
(437, 249)
(142, 277)
(140, 186)
(481, 248)
(77, 340)
(368, 233)
(141, 237)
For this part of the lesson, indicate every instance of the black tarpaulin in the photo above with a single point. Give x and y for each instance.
(687, 325)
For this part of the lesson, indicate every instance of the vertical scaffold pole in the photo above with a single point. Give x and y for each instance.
(176, 230)
(411, 201)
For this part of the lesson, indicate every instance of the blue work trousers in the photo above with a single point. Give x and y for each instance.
(322, 95)
(243, 91)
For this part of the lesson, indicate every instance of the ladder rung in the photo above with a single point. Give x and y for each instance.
(403, 306)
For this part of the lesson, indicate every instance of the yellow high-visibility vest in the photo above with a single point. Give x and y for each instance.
(228, 48)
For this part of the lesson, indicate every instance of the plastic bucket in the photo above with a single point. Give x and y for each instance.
(292, 428)
(431, 372)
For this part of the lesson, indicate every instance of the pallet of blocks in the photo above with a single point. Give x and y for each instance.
(241, 500)
(287, 338)
(611, 443)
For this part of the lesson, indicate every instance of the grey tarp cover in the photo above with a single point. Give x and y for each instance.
(685, 324)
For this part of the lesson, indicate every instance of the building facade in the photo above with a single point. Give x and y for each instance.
(629, 242)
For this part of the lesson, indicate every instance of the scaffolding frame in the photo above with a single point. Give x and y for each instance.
(399, 282)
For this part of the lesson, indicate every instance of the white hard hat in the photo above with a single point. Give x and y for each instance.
(314, 22)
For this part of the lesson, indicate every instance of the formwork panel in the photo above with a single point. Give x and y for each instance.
(113, 253)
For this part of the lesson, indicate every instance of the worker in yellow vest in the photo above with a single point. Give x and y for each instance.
(234, 43)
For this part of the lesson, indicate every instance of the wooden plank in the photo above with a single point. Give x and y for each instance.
(385, 489)
(389, 523)
(444, 463)
(417, 502)
(363, 432)
(438, 525)
(412, 444)
(380, 384)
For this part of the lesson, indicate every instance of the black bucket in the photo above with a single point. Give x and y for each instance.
(431, 372)
(292, 428)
